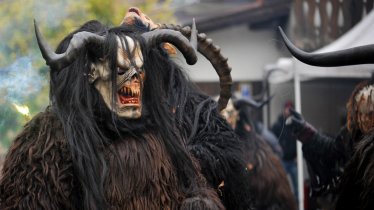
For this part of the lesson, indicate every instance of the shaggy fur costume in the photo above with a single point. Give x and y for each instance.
(347, 170)
(357, 185)
(269, 180)
(342, 166)
(77, 154)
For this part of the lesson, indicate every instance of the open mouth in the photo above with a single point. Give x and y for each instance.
(128, 96)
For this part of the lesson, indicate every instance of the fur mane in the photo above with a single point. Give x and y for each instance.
(74, 101)
(352, 113)
(357, 183)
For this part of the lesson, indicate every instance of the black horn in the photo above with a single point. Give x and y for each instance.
(59, 61)
(351, 56)
(153, 38)
(250, 102)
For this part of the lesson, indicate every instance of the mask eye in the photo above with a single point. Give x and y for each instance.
(140, 70)
(121, 71)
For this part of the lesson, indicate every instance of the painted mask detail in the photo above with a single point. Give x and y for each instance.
(365, 108)
(129, 80)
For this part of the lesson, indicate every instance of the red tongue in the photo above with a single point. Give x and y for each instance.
(129, 100)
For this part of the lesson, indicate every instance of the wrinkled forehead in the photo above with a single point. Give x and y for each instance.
(128, 52)
(365, 99)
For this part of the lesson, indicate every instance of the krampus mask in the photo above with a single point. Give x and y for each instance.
(127, 102)
(204, 45)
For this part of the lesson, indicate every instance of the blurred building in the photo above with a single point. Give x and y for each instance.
(322, 26)
(245, 30)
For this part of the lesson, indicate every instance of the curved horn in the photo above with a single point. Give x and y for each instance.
(59, 61)
(213, 54)
(265, 83)
(252, 103)
(352, 56)
(153, 38)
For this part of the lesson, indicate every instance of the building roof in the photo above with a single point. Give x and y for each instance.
(212, 15)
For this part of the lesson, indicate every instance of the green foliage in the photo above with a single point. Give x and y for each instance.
(112, 12)
(56, 18)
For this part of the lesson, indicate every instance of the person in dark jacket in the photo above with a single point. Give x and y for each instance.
(288, 144)
(344, 166)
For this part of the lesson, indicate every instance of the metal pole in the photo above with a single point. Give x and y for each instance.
(268, 110)
(300, 173)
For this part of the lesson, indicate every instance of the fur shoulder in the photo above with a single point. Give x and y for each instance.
(37, 172)
(357, 183)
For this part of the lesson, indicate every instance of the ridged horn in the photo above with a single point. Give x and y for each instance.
(60, 61)
(352, 56)
(213, 54)
(155, 37)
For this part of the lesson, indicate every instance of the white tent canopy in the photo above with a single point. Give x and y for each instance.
(361, 34)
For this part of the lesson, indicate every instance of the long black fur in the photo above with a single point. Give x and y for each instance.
(357, 183)
(80, 105)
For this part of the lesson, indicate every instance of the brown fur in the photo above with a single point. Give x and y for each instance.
(268, 177)
(357, 183)
(143, 176)
(37, 165)
(38, 173)
(1, 164)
